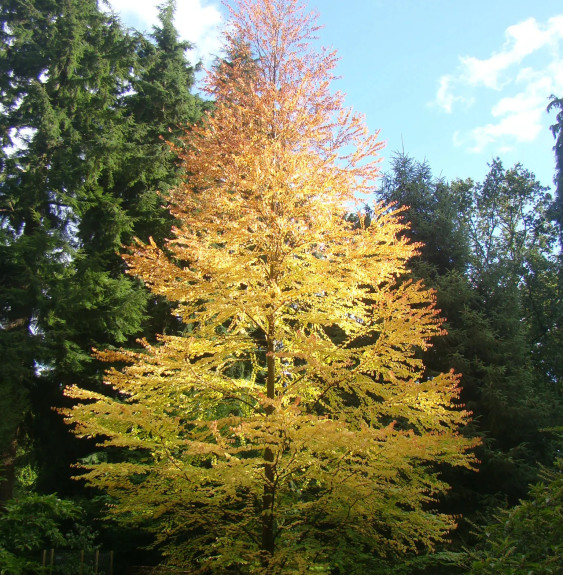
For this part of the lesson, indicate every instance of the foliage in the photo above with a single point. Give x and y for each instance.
(35, 522)
(81, 162)
(159, 106)
(557, 104)
(291, 428)
(490, 254)
(61, 66)
(500, 294)
(514, 270)
(432, 210)
(527, 540)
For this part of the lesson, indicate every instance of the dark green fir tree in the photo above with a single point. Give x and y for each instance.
(556, 104)
(489, 252)
(82, 161)
(60, 71)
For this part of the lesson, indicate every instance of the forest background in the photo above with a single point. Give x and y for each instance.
(85, 106)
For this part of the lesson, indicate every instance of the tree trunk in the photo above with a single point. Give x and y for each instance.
(7, 473)
(269, 487)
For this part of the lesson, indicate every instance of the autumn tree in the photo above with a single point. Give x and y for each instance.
(291, 426)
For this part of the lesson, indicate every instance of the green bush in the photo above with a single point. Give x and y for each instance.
(32, 523)
(527, 539)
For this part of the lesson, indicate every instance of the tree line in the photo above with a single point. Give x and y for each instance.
(283, 393)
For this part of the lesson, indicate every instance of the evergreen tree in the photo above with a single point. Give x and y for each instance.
(160, 108)
(59, 82)
(81, 162)
(498, 291)
(527, 538)
(433, 210)
(514, 270)
(557, 130)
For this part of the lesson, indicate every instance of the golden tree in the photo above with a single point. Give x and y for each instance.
(292, 425)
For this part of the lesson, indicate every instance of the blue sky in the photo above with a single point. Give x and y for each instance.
(456, 83)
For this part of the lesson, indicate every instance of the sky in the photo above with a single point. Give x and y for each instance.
(452, 82)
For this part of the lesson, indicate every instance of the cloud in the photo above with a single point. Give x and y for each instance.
(197, 21)
(523, 74)
(445, 97)
(522, 40)
(139, 15)
(518, 118)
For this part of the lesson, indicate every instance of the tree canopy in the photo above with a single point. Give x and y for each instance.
(82, 161)
(284, 400)
(292, 421)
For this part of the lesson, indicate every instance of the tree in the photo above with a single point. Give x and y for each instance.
(291, 426)
(161, 104)
(432, 210)
(556, 129)
(33, 523)
(515, 273)
(82, 163)
(490, 253)
(61, 67)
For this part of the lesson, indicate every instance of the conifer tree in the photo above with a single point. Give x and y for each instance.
(291, 427)
(82, 161)
(526, 538)
(514, 271)
(61, 67)
(557, 130)
(159, 107)
(432, 209)
(492, 261)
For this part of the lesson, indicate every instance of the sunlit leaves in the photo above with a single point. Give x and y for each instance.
(296, 400)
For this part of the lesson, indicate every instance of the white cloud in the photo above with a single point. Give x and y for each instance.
(141, 14)
(524, 73)
(516, 118)
(520, 127)
(445, 97)
(522, 40)
(197, 21)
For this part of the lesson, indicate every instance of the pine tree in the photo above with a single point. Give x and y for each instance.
(526, 538)
(291, 427)
(432, 209)
(501, 304)
(515, 273)
(159, 108)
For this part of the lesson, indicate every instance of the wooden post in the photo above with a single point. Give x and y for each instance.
(96, 560)
(44, 558)
(52, 561)
(82, 562)
(111, 562)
